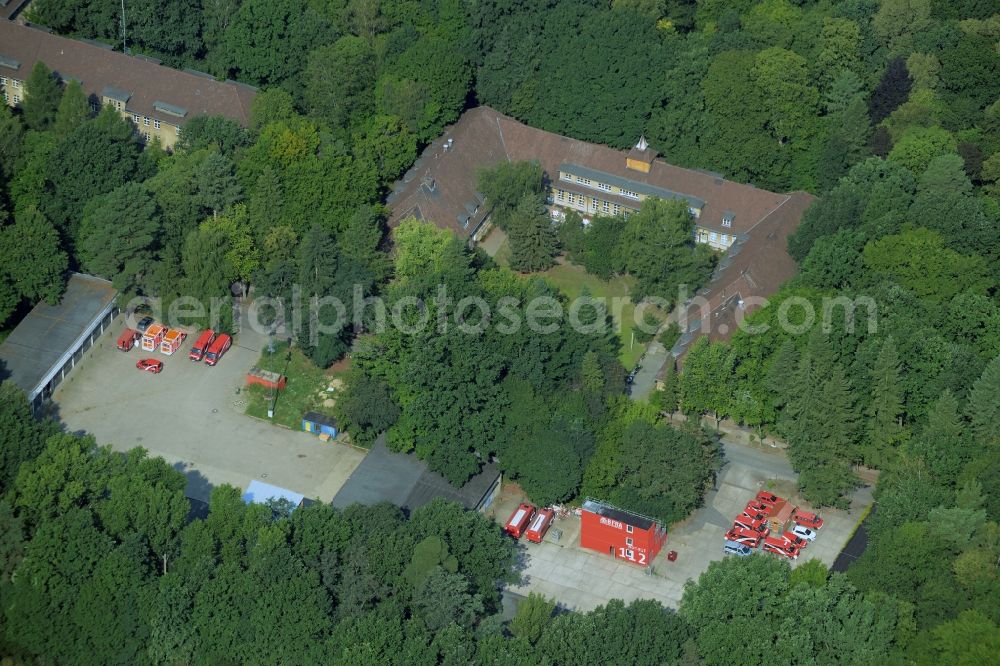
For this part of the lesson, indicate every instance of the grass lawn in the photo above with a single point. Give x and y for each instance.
(303, 392)
(570, 279)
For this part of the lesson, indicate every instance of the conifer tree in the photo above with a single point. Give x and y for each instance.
(41, 98)
(885, 429)
(984, 407)
(942, 443)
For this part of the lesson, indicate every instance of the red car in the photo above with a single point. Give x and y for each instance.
(758, 526)
(781, 547)
(753, 506)
(744, 536)
(796, 541)
(753, 515)
(768, 498)
(150, 365)
(810, 520)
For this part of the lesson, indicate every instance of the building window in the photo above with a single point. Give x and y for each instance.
(17, 98)
(625, 214)
(135, 118)
(629, 529)
(565, 176)
(560, 195)
(156, 124)
(605, 206)
(145, 135)
(713, 237)
(570, 197)
(628, 541)
(630, 194)
(593, 205)
(581, 179)
(695, 213)
(17, 84)
(3, 80)
(145, 121)
(616, 209)
(604, 186)
(725, 239)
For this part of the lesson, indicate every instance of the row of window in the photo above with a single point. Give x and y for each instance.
(14, 83)
(601, 186)
(715, 238)
(145, 121)
(580, 201)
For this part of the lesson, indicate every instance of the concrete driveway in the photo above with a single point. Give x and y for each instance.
(582, 579)
(192, 416)
(651, 363)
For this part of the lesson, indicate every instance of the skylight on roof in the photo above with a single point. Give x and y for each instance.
(169, 109)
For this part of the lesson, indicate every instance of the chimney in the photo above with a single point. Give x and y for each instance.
(641, 157)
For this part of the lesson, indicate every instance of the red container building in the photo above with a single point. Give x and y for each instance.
(621, 534)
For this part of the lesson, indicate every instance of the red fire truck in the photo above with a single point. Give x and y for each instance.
(127, 339)
(540, 525)
(217, 349)
(205, 339)
(519, 520)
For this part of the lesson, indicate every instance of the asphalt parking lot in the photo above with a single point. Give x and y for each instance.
(582, 579)
(192, 416)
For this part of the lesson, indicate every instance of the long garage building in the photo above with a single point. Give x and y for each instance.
(51, 339)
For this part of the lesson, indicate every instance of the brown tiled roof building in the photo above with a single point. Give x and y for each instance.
(157, 99)
(749, 224)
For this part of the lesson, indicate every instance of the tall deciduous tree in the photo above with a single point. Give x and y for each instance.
(74, 109)
(34, 261)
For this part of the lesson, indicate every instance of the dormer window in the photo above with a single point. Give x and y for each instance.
(727, 218)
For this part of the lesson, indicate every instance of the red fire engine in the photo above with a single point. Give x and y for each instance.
(539, 525)
(620, 533)
(519, 520)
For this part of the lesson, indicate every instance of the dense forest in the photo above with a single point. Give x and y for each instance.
(101, 563)
(889, 110)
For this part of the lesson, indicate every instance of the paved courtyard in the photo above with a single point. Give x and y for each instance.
(582, 579)
(192, 416)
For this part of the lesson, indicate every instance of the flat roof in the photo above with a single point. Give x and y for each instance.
(259, 492)
(41, 344)
(627, 517)
(404, 480)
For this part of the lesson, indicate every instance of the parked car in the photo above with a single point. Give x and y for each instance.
(804, 532)
(150, 365)
(143, 324)
(759, 507)
(796, 541)
(808, 519)
(758, 526)
(754, 515)
(781, 547)
(744, 536)
(768, 498)
(734, 548)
